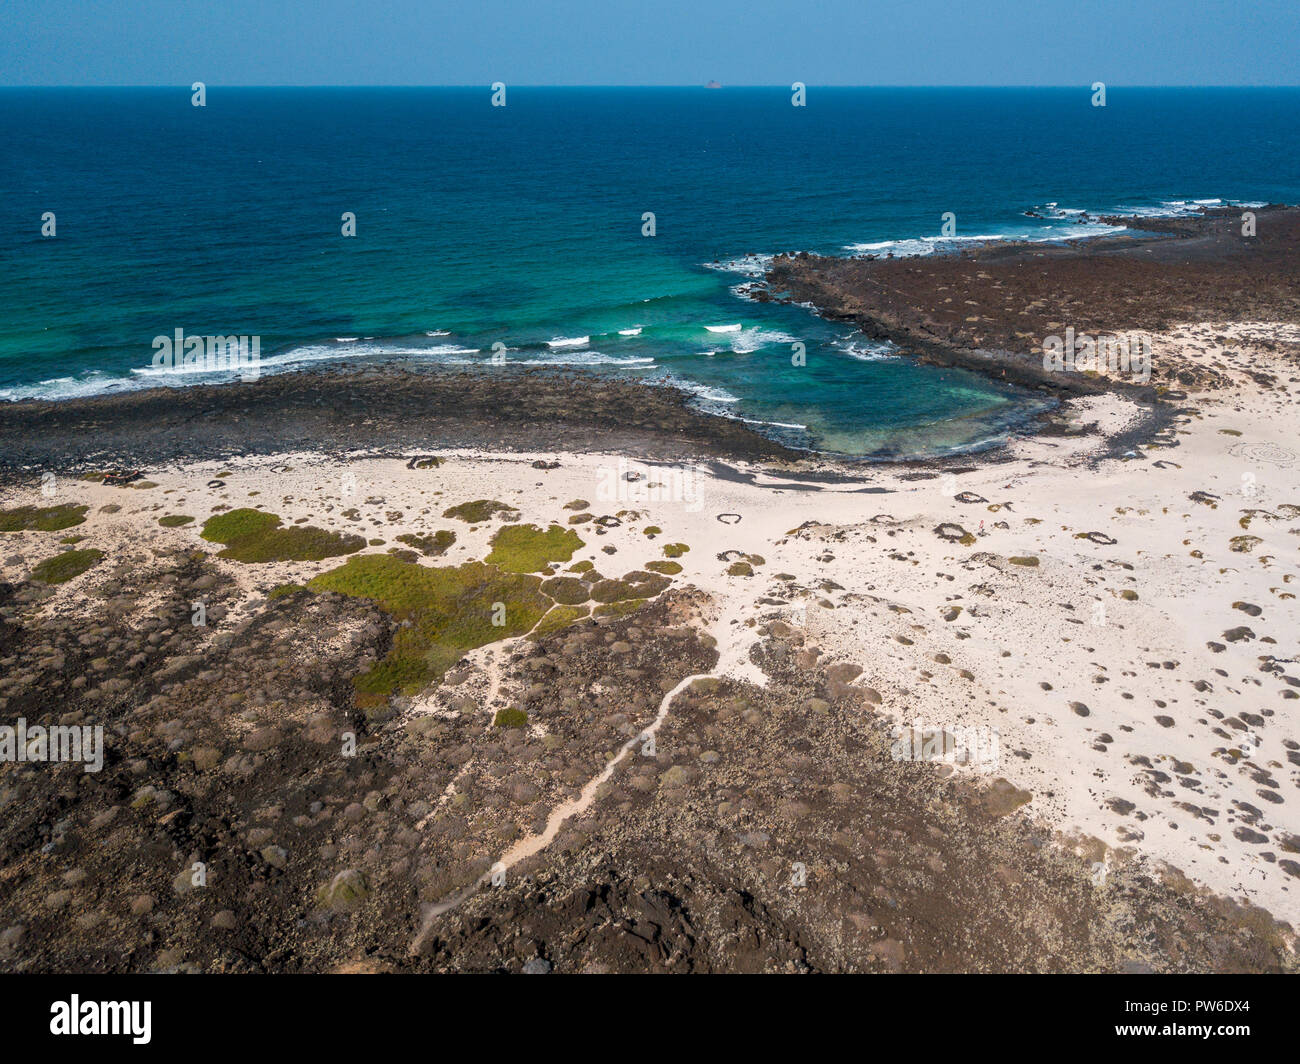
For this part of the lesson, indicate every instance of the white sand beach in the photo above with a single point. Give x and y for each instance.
(1127, 626)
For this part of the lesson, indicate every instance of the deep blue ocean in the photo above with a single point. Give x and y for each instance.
(522, 226)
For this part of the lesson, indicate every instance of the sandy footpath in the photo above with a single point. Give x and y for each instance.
(1128, 627)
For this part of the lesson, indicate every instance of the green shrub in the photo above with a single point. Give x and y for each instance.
(560, 617)
(433, 545)
(256, 536)
(42, 518)
(527, 549)
(635, 585)
(450, 610)
(478, 511)
(567, 589)
(63, 567)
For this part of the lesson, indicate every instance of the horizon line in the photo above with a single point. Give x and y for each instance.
(610, 85)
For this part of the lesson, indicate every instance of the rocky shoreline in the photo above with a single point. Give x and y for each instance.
(360, 640)
(988, 310)
(390, 408)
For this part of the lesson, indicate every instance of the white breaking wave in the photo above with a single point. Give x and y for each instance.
(1180, 208)
(589, 358)
(866, 351)
(753, 338)
(630, 332)
(704, 391)
(312, 353)
(95, 382)
(750, 265)
(569, 341)
(714, 401)
(724, 328)
(1166, 209)
(1053, 210)
(140, 377)
(575, 358)
(776, 424)
(913, 247)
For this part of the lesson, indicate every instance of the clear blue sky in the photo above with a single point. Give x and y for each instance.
(649, 42)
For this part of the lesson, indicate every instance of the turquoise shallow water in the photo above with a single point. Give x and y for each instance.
(522, 226)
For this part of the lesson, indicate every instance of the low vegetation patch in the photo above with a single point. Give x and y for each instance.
(478, 511)
(444, 612)
(618, 609)
(63, 567)
(256, 536)
(568, 590)
(450, 610)
(429, 546)
(42, 518)
(527, 549)
(635, 585)
(559, 618)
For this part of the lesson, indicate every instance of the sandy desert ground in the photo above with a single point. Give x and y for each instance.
(1118, 633)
